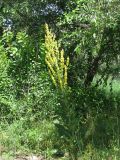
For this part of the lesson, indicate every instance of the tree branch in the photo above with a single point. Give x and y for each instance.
(93, 68)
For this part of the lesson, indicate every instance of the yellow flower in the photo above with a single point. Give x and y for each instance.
(55, 60)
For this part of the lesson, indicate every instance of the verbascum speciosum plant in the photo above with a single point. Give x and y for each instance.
(57, 65)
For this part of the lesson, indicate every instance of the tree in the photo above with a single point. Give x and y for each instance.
(90, 35)
(32, 14)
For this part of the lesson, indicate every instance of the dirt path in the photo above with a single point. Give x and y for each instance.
(23, 158)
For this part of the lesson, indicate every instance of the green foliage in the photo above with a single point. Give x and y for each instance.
(19, 137)
(90, 35)
(85, 119)
(26, 100)
(82, 120)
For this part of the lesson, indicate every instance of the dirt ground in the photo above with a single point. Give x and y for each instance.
(23, 158)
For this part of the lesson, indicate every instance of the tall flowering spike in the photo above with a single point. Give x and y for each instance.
(57, 65)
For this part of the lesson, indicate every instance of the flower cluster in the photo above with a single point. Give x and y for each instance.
(55, 60)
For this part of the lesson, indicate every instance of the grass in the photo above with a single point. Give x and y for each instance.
(39, 138)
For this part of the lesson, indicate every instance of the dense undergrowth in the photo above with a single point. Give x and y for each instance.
(38, 118)
(23, 132)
